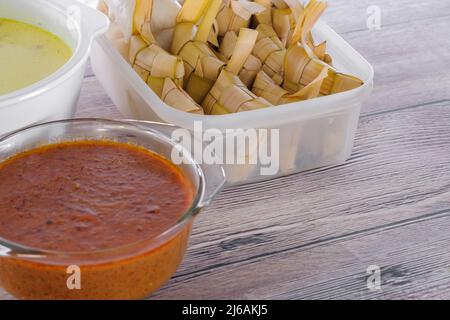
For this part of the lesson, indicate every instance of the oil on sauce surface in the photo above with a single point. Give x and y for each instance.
(28, 54)
(84, 196)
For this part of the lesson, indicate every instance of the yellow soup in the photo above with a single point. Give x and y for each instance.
(28, 54)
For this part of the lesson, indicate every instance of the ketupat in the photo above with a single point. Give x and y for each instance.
(302, 66)
(162, 71)
(266, 88)
(236, 14)
(251, 66)
(155, 21)
(229, 94)
(153, 64)
(202, 66)
(320, 51)
(121, 27)
(285, 15)
(283, 19)
(271, 52)
(265, 17)
(297, 66)
(308, 88)
(283, 24)
(121, 14)
(176, 97)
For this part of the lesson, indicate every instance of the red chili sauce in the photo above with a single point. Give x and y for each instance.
(89, 195)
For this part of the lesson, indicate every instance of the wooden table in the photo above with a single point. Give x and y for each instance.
(313, 235)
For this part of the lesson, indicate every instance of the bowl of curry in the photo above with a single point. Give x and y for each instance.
(95, 209)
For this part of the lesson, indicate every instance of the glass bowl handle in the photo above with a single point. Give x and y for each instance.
(91, 21)
(214, 183)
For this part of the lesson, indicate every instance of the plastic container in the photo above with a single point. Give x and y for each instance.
(314, 133)
(132, 271)
(56, 96)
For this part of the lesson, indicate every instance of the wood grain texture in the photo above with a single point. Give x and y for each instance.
(312, 235)
(317, 232)
(410, 54)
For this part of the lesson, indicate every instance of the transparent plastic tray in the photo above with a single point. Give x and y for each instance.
(314, 133)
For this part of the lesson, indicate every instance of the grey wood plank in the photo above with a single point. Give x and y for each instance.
(410, 268)
(94, 102)
(350, 16)
(411, 66)
(396, 185)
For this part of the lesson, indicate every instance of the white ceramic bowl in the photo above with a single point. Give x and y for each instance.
(56, 96)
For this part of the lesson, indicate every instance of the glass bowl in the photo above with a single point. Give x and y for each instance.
(133, 271)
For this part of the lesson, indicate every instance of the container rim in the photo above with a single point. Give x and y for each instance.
(19, 250)
(85, 35)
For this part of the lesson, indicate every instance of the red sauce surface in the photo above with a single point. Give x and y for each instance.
(89, 195)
